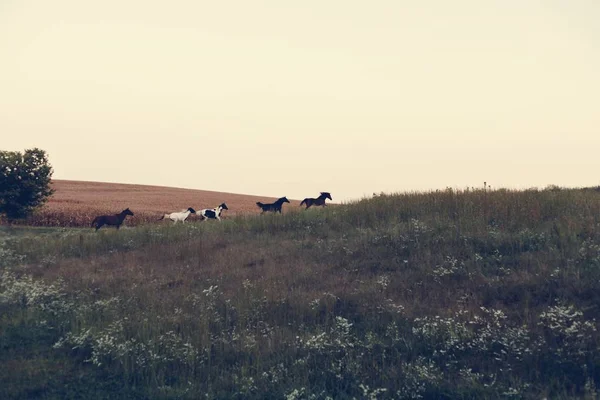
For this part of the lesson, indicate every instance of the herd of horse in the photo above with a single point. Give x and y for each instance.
(208, 213)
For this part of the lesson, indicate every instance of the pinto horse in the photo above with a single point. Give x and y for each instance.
(212, 213)
(275, 207)
(179, 216)
(115, 220)
(319, 201)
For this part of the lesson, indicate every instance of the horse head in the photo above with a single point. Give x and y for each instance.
(127, 211)
(224, 206)
(284, 199)
(326, 195)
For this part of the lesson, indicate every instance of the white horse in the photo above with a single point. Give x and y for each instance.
(213, 213)
(179, 216)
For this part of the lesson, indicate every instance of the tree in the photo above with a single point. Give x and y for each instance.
(24, 182)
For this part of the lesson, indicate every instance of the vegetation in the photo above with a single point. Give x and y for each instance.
(24, 182)
(447, 294)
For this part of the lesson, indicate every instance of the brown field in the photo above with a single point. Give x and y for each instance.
(76, 203)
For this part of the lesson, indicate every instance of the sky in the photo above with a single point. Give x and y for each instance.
(287, 98)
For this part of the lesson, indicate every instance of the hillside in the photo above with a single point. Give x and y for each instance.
(76, 203)
(440, 295)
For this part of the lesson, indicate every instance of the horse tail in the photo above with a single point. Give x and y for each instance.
(94, 221)
(258, 203)
(161, 218)
(303, 202)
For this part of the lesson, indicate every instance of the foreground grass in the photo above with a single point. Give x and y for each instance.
(436, 295)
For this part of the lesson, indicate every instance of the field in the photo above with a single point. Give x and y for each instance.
(76, 203)
(439, 295)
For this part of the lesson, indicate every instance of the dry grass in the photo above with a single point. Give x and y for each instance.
(76, 203)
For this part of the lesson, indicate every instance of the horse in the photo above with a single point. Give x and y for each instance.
(212, 213)
(179, 216)
(115, 220)
(319, 201)
(275, 207)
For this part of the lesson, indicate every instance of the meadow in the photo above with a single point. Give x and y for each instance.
(448, 294)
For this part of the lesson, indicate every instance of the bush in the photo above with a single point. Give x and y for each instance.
(24, 182)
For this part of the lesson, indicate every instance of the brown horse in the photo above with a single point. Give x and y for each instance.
(115, 220)
(319, 201)
(275, 207)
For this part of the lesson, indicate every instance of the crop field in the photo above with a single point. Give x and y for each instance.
(76, 203)
(438, 295)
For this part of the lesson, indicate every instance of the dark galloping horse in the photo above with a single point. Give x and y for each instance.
(115, 220)
(275, 207)
(319, 201)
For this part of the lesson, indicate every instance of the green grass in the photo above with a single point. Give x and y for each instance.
(17, 230)
(446, 294)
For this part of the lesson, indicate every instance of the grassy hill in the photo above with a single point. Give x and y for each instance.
(423, 295)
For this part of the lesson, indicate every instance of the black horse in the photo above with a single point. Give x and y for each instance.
(319, 201)
(275, 207)
(115, 220)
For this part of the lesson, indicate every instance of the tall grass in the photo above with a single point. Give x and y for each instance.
(447, 294)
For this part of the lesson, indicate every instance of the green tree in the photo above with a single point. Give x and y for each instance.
(24, 182)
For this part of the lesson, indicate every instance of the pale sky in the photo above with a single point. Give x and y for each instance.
(290, 98)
